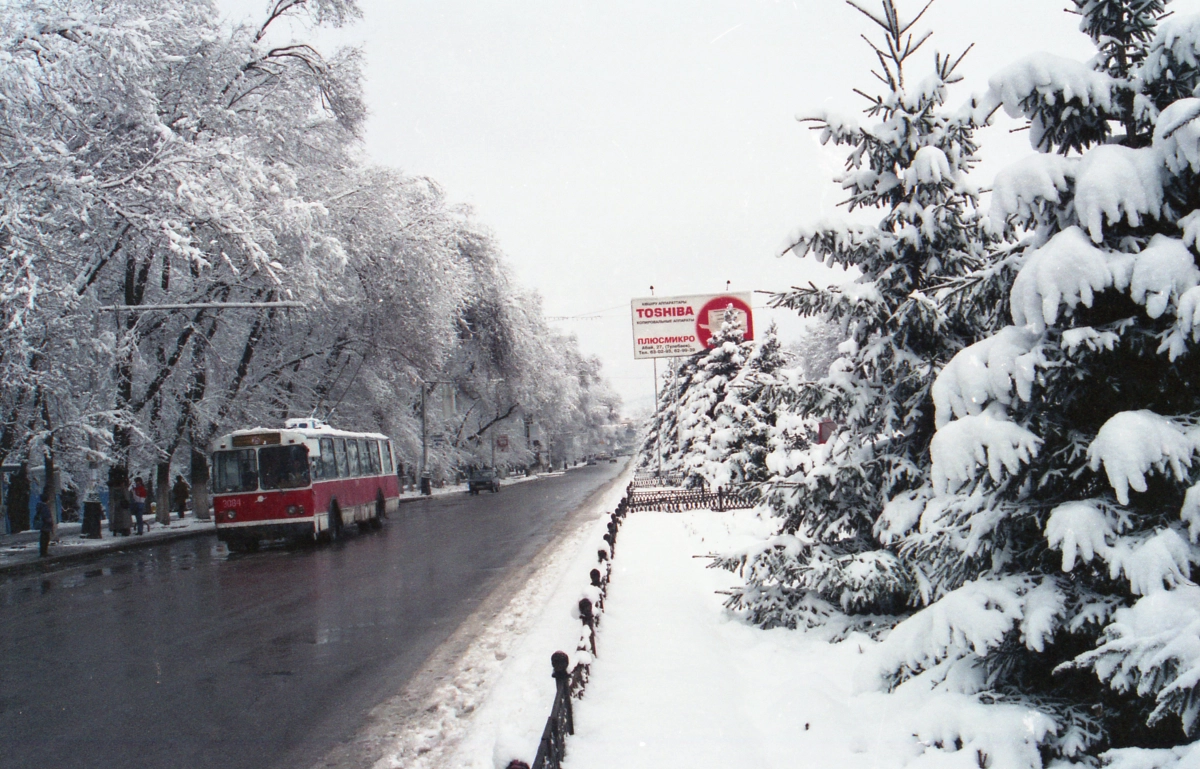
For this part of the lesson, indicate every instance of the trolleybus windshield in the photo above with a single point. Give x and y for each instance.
(235, 471)
(283, 467)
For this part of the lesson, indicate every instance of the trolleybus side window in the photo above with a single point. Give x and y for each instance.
(352, 452)
(369, 451)
(339, 450)
(386, 449)
(328, 462)
(234, 471)
(283, 467)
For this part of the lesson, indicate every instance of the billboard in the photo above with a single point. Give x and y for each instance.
(676, 326)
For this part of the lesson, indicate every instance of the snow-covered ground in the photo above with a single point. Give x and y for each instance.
(679, 682)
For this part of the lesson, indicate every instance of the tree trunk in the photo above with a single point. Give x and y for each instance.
(162, 493)
(17, 502)
(199, 479)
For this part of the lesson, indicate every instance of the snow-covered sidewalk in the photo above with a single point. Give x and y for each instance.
(679, 682)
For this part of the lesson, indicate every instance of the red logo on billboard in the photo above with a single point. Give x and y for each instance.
(712, 315)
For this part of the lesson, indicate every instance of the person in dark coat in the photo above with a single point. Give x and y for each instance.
(137, 501)
(179, 495)
(47, 527)
(119, 519)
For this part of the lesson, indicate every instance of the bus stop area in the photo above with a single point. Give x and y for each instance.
(19, 552)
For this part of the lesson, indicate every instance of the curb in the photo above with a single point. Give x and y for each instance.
(51, 562)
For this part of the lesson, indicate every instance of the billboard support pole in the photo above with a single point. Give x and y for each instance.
(658, 435)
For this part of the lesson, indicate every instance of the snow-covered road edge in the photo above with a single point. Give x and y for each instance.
(487, 690)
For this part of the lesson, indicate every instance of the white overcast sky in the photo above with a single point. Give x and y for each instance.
(621, 144)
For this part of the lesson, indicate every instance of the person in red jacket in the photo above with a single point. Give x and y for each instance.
(138, 496)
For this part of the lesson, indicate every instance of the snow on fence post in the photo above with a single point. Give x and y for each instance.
(561, 722)
(589, 621)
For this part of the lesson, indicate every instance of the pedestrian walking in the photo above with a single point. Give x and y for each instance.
(138, 496)
(47, 524)
(119, 519)
(179, 495)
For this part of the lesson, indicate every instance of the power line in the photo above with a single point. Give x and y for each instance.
(593, 315)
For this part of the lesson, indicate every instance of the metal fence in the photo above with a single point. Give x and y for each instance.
(656, 480)
(570, 682)
(678, 500)
(553, 745)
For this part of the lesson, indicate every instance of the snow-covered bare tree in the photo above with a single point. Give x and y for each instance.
(157, 155)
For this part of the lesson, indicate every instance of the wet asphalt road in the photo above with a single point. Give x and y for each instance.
(184, 656)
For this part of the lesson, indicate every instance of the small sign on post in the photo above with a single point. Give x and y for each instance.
(501, 443)
(677, 326)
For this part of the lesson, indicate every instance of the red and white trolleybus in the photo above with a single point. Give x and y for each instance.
(307, 481)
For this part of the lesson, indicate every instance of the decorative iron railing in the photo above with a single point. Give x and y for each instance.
(553, 745)
(570, 682)
(655, 480)
(678, 500)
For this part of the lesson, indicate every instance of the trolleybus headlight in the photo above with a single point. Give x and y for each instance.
(231, 514)
(295, 509)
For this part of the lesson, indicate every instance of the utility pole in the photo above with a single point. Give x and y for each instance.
(426, 487)
(658, 435)
(424, 442)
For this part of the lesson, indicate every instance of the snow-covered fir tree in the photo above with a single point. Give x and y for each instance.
(741, 431)
(1056, 543)
(716, 369)
(659, 451)
(682, 425)
(911, 160)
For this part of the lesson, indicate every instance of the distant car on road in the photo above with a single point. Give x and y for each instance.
(481, 479)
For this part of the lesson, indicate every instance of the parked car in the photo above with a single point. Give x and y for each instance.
(484, 478)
